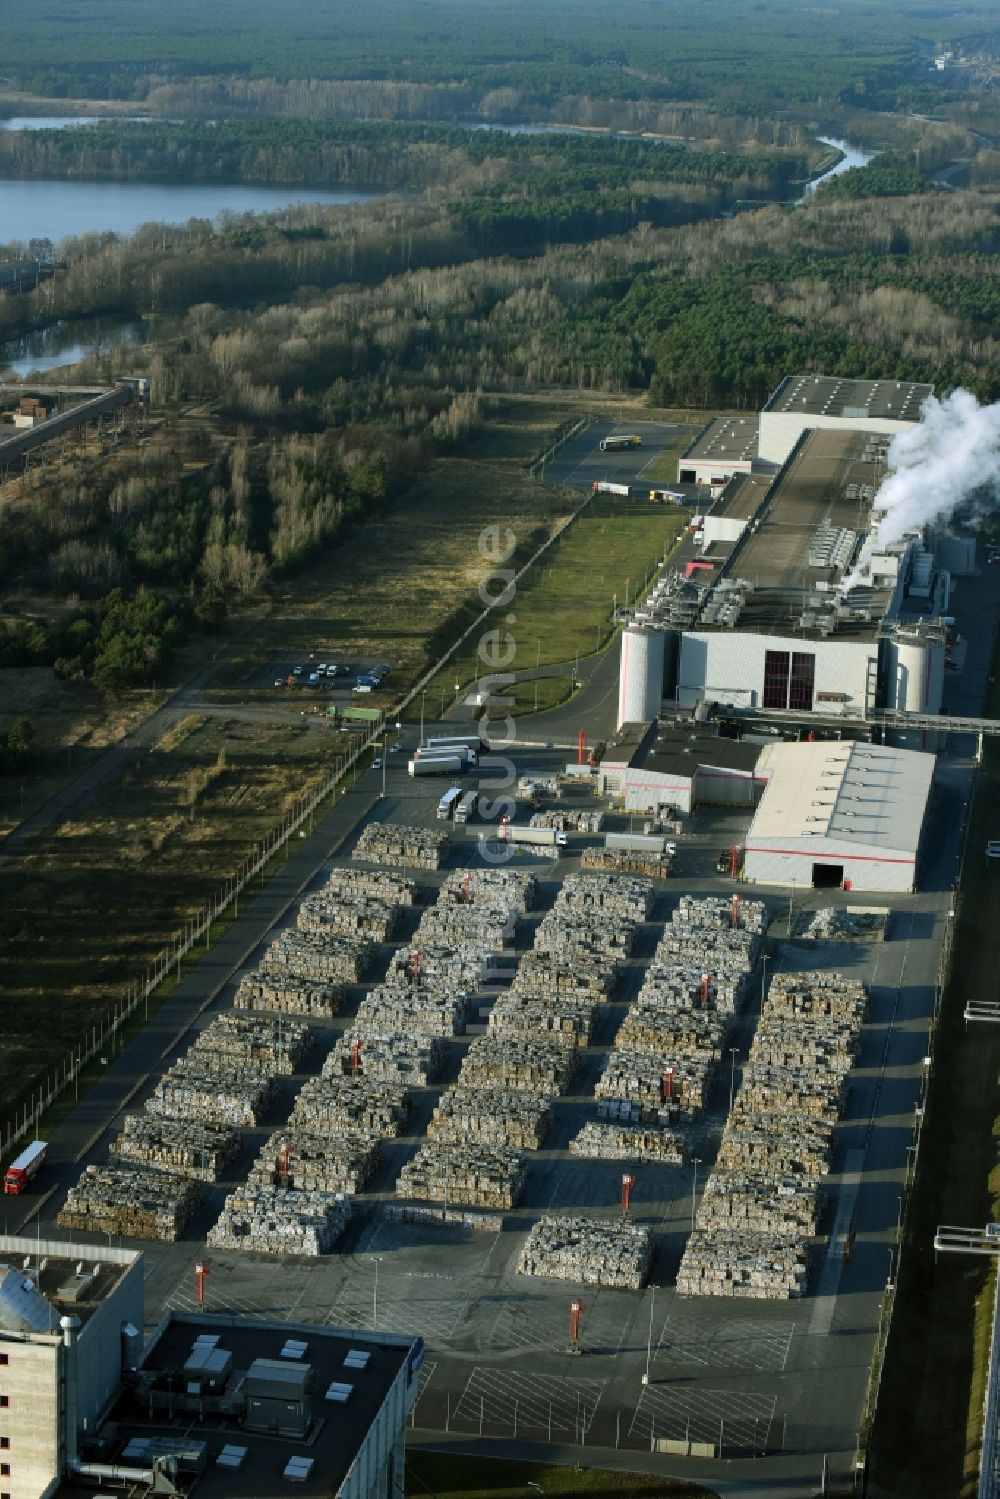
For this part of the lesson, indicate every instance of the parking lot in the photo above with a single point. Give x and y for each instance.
(580, 463)
(741, 1377)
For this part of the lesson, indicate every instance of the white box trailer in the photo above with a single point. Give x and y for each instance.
(651, 843)
(437, 765)
(604, 486)
(540, 837)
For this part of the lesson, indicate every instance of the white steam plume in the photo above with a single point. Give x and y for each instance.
(936, 464)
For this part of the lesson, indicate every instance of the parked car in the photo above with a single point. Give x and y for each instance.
(296, 671)
(377, 763)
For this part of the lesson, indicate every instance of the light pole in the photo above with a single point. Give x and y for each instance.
(423, 697)
(763, 976)
(734, 1052)
(694, 1188)
(649, 1335)
(385, 751)
(376, 1261)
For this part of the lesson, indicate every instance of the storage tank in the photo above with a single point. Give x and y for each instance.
(917, 668)
(640, 682)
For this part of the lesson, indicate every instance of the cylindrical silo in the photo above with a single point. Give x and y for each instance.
(640, 682)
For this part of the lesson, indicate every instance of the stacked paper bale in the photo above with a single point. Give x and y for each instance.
(569, 820)
(479, 1176)
(527, 1015)
(588, 1251)
(271, 1045)
(193, 1090)
(395, 843)
(761, 1202)
(280, 989)
(321, 955)
(674, 1034)
(491, 1117)
(628, 1142)
(637, 861)
(386, 1056)
(508, 1064)
(304, 1162)
(183, 1146)
(130, 1203)
(418, 1010)
(360, 1106)
(263, 1219)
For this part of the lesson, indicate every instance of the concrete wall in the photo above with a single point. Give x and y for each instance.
(383, 1448)
(712, 470)
(31, 1421)
(720, 786)
(728, 667)
(99, 1345)
(790, 862)
(781, 430)
(650, 788)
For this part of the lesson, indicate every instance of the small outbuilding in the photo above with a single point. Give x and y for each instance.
(839, 815)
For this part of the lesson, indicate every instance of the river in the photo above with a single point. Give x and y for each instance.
(852, 157)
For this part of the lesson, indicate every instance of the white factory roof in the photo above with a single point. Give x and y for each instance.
(847, 793)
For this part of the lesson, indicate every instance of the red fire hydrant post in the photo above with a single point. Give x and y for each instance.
(628, 1182)
(576, 1311)
(201, 1269)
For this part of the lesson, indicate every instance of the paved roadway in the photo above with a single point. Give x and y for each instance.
(790, 1377)
(580, 462)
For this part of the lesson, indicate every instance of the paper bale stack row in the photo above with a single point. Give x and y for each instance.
(327, 956)
(414, 1061)
(643, 862)
(628, 1142)
(588, 1251)
(357, 1106)
(271, 1045)
(130, 1203)
(406, 847)
(537, 783)
(673, 1037)
(275, 990)
(761, 1203)
(490, 1117)
(304, 1162)
(569, 820)
(192, 1090)
(183, 1146)
(478, 1176)
(264, 1219)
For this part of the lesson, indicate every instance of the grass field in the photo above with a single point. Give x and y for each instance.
(439, 1474)
(538, 695)
(85, 907)
(563, 608)
(928, 1424)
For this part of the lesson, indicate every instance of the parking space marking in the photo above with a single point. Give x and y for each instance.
(435, 1316)
(537, 1322)
(544, 1401)
(730, 1344)
(723, 1417)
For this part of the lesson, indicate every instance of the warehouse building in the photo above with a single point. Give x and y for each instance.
(727, 446)
(664, 764)
(839, 815)
(762, 619)
(825, 401)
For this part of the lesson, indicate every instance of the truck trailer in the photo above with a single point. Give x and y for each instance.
(25, 1166)
(540, 837)
(453, 743)
(437, 765)
(639, 843)
(604, 486)
(617, 441)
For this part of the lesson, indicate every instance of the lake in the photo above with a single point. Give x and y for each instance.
(41, 208)
(66, 342)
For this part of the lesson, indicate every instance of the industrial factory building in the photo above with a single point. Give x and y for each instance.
(241, 1407)
(839, 815)
(761, 617)
(659, 765)
(761, 442)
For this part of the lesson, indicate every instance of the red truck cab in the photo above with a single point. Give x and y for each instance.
(21, 1170)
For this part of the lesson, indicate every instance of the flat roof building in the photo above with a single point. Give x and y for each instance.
(653, 766)
(727, 446)
(839, 815)
(802, 401)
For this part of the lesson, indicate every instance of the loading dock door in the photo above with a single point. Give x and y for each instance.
(828, 876)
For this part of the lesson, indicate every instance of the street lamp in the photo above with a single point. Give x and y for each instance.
(649, 1335)
(763, 976)
(376, 1261)
(423, 698)
(385, 751)
(694, 1188)
(734, 1052)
